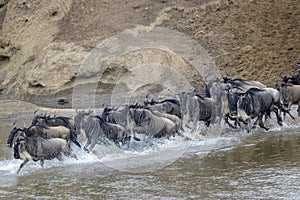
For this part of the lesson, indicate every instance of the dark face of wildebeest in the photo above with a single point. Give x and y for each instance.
(233, 96)
(14, 132)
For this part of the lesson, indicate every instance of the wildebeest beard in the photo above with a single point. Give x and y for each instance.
(16, 151)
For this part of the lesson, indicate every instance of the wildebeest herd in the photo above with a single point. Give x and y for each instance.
(238, 103)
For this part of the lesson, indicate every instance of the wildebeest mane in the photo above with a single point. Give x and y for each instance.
(200, 96)
(12, 135)
(138, 117)
(174, 101)
(254, 90)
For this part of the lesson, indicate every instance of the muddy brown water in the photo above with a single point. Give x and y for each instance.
(229, 165)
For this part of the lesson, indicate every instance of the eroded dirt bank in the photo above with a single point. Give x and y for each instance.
(43, 43)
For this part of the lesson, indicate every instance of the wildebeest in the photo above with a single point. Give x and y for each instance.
(173, 118)
(251, 104)
(245, 84)
(13, 133)
(116, 116)
(45, 132)
(169, 106)
(290, 95)
(216, 90)
(98, 131)
(46, 121)
(152, 125)
(40, 149)
(195, 107)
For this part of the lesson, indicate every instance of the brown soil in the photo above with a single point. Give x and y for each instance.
(42, 43)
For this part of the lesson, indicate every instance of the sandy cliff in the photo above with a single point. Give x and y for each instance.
(43, 43)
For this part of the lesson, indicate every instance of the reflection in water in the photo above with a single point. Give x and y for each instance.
(263, 166)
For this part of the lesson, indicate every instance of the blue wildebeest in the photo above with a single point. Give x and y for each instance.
(40, 149)
(173, 118)
(150, 124)
(169, 106)
(116, 116)
(244, 84)
(217, 90)
(38, 130)
(13, 133)
(196, 108)
(98, 131)
(253, 103)
(46, 121)
(290, 95)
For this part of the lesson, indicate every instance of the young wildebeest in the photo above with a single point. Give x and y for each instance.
(98, 131)
(196, 108)
(251, 104)
(150, 124)
(46, 121)
(38, 148)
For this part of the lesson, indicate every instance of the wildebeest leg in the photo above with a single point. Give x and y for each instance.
(226, 116)
(261, 124)
(59, 157)
(248, 121)
(194, 128)
(207, 123)
(255, 123)
(279, 120)
(69, 154)
(23, 164)
(86, 146)
(298, 110)
(77, 143)
(91, 147)
(282, 109)
(42, 162)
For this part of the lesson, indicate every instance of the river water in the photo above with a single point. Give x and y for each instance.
(223, 165)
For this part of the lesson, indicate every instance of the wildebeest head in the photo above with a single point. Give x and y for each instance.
(40, 119)
(106, 112)
(283, 89)
(13, 134)
(184, 101)
(233, 96)
(149, 100)
(19, 140)
(79, 118)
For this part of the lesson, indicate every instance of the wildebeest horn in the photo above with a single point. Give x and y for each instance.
(273, 83)
(205, 78)
(280, 75)
(89, 111)
(35, 112)
(14, 124)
